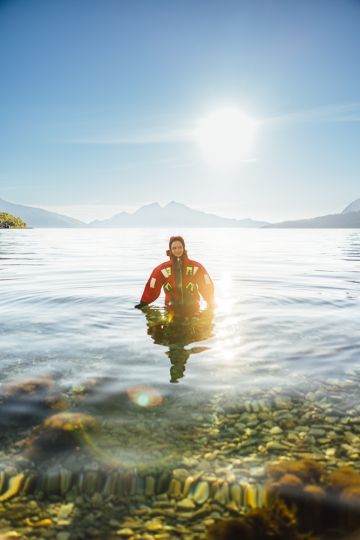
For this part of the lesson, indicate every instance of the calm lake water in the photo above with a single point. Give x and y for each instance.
(287, 304)
(198, 406)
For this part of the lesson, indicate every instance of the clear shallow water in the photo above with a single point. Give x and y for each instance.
(287, 304)
(273, 372)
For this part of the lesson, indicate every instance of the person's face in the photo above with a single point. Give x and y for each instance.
(177, 248)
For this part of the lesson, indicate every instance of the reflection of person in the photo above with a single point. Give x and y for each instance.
(182, 279)
(167, 327)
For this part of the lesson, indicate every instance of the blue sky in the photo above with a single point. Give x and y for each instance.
(98, 97)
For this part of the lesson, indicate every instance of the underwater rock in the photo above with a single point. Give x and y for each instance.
(186, 504)
(290, 480)
(90, 483)
(306, 470)
(125, 532)
(180, 474)
(222, 494)
(262, 496)
(174, 488)
(163, 483)
(274, 523)
(28, 400)
(149, 486)
(129, 482)
(68, 421)
(27, 387)
(250, 496)
(58, 433)
(63, 535)
(350, 498)
(214, 484)
(187, 485)
(65, 511)
(351, 495)
(154, 525)
(316, 492)
(9, 535)
(257, 472)
(52, 481)
(29, 484)
(276, 430)
(65, 480)
(236, 495)
(276, 445)
(2, 480)
(343, 478)
(324, 502)
(15, 483)
(201, 492)
(282, 403)
(110, 485)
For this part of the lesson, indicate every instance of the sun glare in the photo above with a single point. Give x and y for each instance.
(226, 136)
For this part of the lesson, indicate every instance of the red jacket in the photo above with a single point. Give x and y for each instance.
(194, 280)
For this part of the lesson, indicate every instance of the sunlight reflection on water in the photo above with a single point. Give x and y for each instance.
(286, 302)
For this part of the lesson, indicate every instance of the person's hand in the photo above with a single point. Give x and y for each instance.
(141, 305)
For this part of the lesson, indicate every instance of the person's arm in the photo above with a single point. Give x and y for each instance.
(205, 285)
(152, 288)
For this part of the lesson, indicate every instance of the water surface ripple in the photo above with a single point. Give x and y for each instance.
(287, 303)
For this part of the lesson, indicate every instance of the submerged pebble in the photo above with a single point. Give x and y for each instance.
(201, 492)
(186, 504)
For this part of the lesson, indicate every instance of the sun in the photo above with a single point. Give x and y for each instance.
(226, 136)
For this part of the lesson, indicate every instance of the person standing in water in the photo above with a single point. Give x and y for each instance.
(182, 279)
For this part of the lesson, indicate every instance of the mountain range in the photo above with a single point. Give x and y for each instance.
(176, 214)
(37, 217)
(348, 219)
(152, 215)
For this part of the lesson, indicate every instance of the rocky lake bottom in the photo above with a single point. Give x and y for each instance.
(168, 468)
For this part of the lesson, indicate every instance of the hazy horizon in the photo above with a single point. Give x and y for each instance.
(88, 213)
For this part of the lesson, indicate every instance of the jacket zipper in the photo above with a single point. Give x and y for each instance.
(181, 282)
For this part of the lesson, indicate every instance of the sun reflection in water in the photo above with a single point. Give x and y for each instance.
(227, 340)
(224, 298)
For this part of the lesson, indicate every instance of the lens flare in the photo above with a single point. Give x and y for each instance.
(144, 396)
